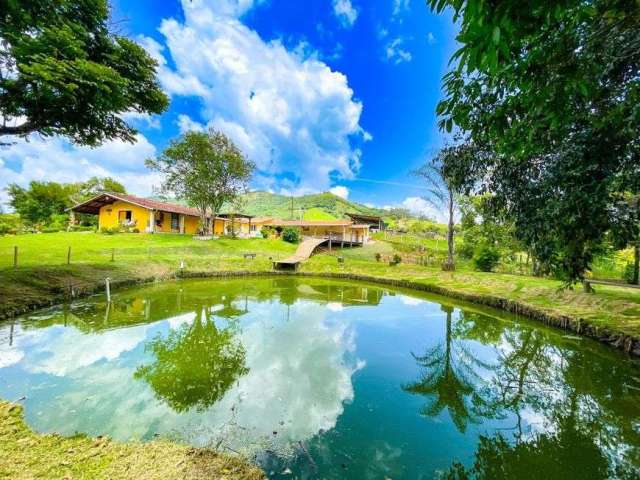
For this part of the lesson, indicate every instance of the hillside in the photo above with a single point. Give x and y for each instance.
(320, 206)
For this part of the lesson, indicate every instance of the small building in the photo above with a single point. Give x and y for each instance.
(245, 226)
(151, 216)
(336, 230)
(376, 224)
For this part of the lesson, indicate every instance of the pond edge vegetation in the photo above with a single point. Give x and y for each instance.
(629, 344)
(43, 455)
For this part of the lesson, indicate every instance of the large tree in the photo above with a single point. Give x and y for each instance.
(205, 169)
(552, 88)
(64, 72)
(37, 203)
(41, 200)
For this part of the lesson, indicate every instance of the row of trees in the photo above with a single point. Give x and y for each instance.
(46, 204)
(545, 101)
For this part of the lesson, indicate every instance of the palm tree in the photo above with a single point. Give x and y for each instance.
(442, 196)
(449, 379)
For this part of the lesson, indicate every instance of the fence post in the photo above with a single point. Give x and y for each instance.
(108, 288)
(69, 256)
(15, 256)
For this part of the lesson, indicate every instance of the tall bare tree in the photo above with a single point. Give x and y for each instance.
(442, 196)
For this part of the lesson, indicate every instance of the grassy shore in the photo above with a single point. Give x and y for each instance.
(43, 276)
(28, 455)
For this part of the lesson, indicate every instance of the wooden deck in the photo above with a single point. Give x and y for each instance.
(304, 251)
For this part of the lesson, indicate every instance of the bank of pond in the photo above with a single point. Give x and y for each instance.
(318, 378)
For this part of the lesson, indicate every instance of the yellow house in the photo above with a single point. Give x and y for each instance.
(145, 215)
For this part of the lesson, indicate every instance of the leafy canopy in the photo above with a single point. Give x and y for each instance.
(41, 201)
(205, 169)
(552, 90)
(63, 72)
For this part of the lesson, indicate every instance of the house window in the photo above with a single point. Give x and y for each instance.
(124, 216)
(253, 228)
(175, 221)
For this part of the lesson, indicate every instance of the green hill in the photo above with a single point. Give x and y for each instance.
(320, 206)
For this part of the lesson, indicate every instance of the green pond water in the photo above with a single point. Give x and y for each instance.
(315, 378)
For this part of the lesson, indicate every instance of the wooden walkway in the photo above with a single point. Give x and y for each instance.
(304, 251)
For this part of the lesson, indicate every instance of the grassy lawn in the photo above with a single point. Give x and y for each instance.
(43, 273)
(27, 455)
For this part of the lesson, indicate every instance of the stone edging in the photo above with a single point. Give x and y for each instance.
(618, 340)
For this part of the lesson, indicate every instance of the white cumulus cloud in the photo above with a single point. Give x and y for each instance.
(55, 159)
(340, 191)
(287, 110)
(420, 206)
(345, 11)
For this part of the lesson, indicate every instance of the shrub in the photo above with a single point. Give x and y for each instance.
(291, 235)
(395, 260)
(485, 258)
(109, 231)
(627, 274)
(378, 256)
(10, 223)
(82, 228)
(266, 231)
(57, 222)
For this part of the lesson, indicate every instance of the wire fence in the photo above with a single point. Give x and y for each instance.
(25, 256)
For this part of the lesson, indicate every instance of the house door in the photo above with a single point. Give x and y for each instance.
(175, 222)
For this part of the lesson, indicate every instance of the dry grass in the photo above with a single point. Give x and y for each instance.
(28, 455)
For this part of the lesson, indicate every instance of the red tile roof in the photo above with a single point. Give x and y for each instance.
(107, 198)
(312, 223)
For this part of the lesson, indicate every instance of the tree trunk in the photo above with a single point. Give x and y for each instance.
(636, 263)
(450, 265)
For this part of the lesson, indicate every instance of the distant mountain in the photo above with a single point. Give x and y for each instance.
(319, 206)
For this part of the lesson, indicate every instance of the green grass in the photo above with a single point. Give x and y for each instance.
(43, 276)
(317, 214)
(28, 455)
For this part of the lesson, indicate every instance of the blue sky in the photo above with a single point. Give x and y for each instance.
(321, 94)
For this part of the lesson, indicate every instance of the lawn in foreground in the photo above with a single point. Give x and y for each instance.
(43, 273)
(27, 455)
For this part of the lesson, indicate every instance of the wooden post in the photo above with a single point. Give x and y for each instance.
(15, 256)
(69, 255)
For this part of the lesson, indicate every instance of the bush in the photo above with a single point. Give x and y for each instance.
(82, 228)
(395, 260)
(627, 274)
(486, 258)
(291, 235)
(266, 231)
(57, 222)
(109, 231)
(10, 223)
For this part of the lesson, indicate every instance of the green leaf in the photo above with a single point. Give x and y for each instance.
(496, 35)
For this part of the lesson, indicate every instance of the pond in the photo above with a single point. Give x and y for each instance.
(316, 378)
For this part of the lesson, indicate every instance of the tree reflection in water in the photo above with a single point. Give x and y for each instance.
(575, 428)
(195, 364)
(449, 379)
